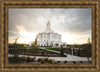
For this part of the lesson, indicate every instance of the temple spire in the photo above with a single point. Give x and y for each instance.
(48, 29)
(48, 25)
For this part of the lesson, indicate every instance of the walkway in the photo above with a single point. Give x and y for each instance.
(68, 56)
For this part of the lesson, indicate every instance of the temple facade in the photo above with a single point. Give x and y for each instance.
(49, 38)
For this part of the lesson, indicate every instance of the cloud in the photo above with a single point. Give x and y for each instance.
(65, 20)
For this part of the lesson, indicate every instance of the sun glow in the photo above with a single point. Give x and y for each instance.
(74, 38)
(26, 37)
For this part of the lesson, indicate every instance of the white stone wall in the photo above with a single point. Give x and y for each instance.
(49, 39)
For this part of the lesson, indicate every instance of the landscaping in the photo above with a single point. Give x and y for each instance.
(42, 55)
(33, 60)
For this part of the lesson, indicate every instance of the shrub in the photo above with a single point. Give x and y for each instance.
(51, 61)
(58, 61)
(65, 61)
(74, 62)
(81, 62)
(46, 59)
(90, 61)
(33, 58)
(23, 58)
(43, 61)
(28, 59)
(40, 59)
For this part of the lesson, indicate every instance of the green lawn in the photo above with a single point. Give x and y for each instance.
(56, 49)
(42, 49)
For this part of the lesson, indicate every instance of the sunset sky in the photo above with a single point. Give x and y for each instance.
(74, 24)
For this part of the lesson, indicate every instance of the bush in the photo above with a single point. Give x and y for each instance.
(46, 59)
(29, 59)
(74, 62)
(33, 58)
(81, 62)
(43, 61)
(65, 61)
(90, 61)
(58, 61)
(51, 61)
(23, 58)
(39, 59)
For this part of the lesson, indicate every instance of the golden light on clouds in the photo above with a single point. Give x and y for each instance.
(24, 36)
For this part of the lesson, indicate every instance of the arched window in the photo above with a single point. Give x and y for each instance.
(57, 44)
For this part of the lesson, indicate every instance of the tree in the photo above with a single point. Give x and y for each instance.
(62, 50)
(16, 40)
(35, 43)
(78, 54)
(34, 46)
(87, 51)
(15, 52)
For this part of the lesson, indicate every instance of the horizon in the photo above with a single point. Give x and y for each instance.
(66, 43)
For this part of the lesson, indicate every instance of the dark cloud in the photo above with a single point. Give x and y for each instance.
(79, 21)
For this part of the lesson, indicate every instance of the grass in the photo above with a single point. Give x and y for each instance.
(47, 48)
(56, 49)
(42, 49)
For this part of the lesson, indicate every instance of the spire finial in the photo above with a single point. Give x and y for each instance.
(48, 25)
(48, 21)
(48, 29)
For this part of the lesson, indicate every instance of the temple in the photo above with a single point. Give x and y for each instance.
(49, 38)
